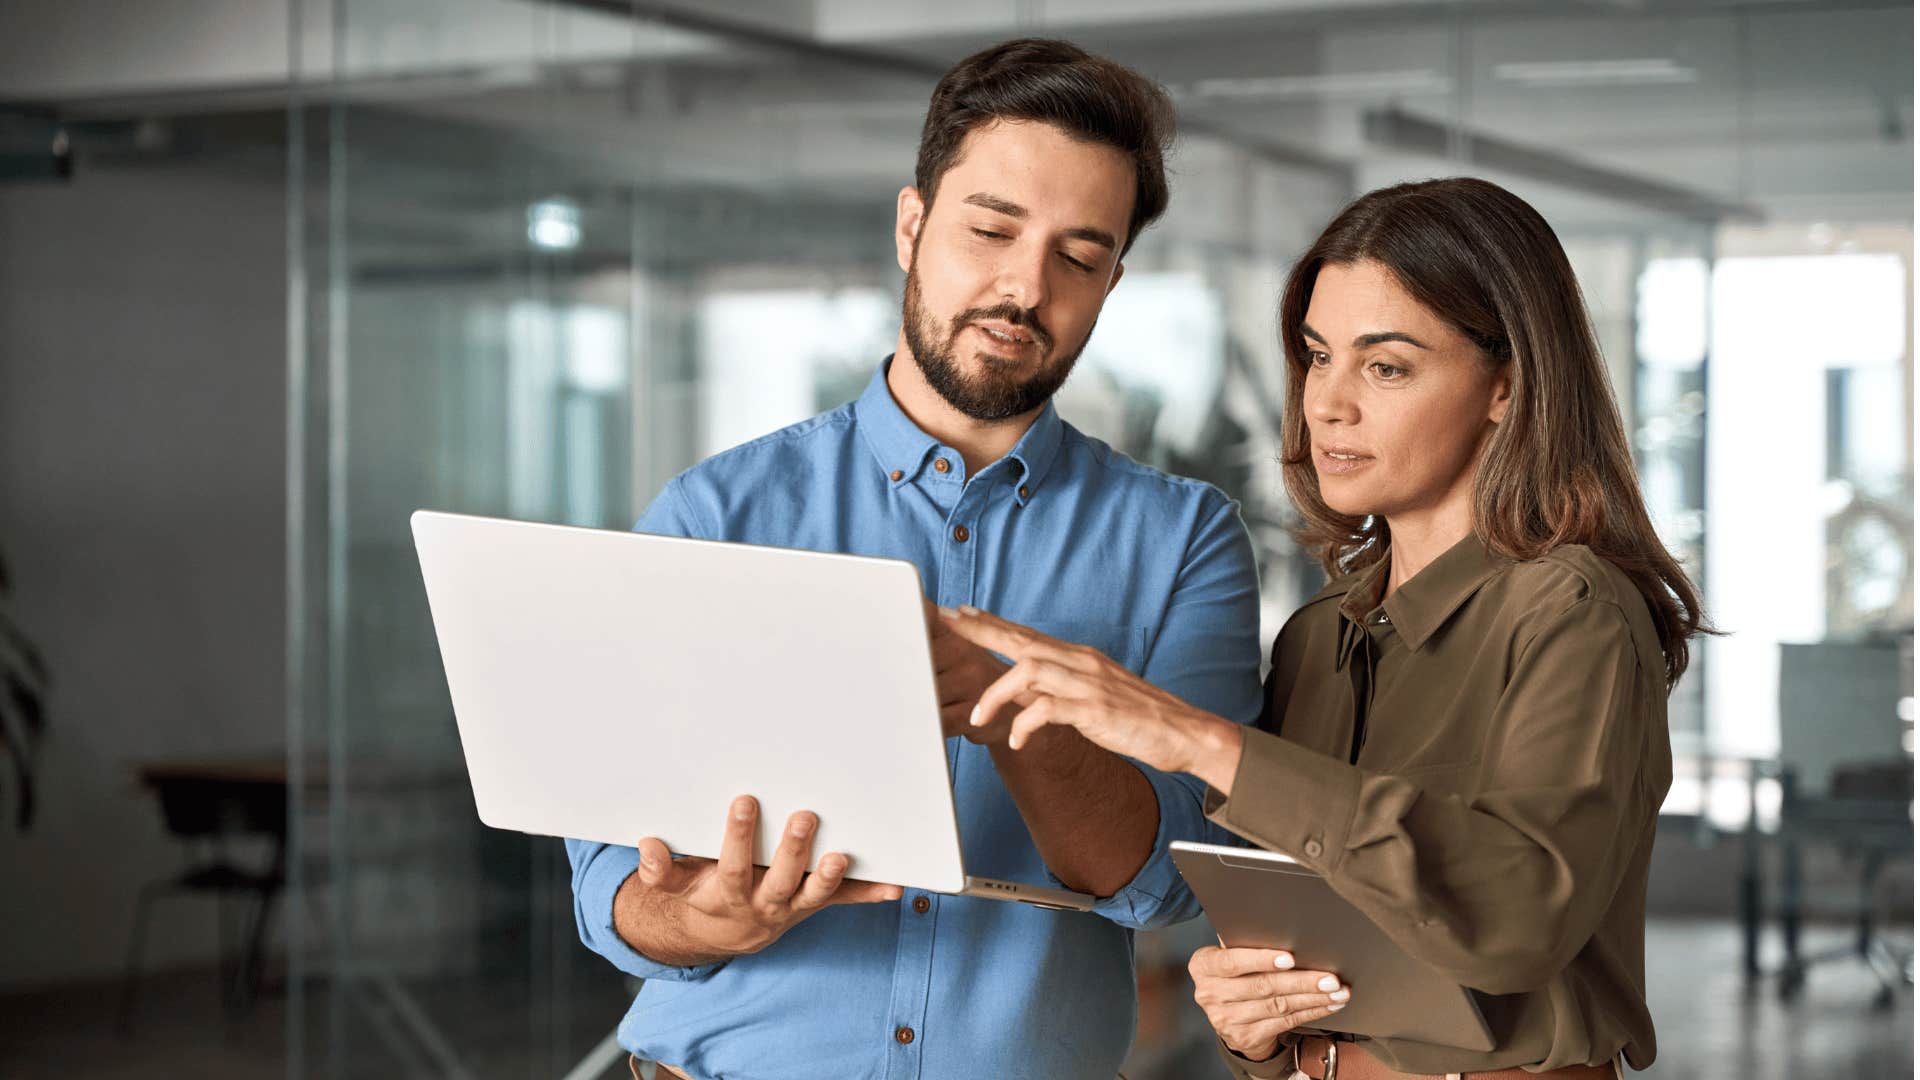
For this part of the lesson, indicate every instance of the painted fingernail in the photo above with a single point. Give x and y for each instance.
(742, 808)
(1284, 961)
(1342, 994)
(1336, 1008)
(973, 718)
(969, 609)
(1329, 983)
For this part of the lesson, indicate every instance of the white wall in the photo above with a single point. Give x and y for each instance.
(142, 494)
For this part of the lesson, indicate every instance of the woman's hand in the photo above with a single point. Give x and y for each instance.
(1080, 687)
(1253, 996)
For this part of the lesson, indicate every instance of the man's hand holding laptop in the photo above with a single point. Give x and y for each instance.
(691, 911)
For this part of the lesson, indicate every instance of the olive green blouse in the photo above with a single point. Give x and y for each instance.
(1477, 764)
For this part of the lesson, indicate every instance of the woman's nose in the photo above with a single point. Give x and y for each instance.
(1331, 398)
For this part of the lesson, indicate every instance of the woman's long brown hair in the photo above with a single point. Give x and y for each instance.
(1556, 469)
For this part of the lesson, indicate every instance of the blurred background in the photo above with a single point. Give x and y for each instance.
(274, 273)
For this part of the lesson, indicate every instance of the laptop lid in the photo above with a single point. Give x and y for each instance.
(612, 685)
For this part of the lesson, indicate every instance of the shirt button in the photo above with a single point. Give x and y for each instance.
(921, 904)
(939, 465)
(895, 475)
(903, 1035)
(1313, 849)
(960, 534)
(1023, 491)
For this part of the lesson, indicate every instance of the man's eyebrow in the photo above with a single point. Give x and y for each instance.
(1093, 236)
(998, 205)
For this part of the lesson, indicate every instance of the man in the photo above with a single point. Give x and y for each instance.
(1039, 164)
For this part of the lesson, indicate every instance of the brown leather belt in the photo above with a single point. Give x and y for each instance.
(1322, 1058)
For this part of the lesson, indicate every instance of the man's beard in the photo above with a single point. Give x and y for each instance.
(989, 397)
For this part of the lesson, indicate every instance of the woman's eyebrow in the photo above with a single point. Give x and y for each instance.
(1385, 336)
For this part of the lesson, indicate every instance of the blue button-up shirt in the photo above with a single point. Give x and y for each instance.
(1064, 534)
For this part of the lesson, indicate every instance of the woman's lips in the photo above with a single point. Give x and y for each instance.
(1339, 459)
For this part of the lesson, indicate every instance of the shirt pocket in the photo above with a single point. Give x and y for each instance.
(1127, 645)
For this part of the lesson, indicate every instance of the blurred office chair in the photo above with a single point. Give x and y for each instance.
(1867, 816)
(1846, 785)
(206, 805)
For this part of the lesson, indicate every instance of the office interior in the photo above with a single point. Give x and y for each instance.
(275, 273)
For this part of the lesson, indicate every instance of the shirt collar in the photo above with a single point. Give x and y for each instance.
(1425, 602)
(902, 448)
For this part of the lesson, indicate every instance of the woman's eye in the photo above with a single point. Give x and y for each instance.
(1388, 371)
(1316, 358)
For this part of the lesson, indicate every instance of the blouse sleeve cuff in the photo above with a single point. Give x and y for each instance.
(1289, 799)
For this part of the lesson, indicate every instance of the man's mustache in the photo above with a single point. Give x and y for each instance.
(1007, 313)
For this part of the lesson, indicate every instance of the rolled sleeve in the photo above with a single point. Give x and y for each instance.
(598, 872)
(1157, 896)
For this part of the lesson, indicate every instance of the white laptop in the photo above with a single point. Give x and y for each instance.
(614, 685)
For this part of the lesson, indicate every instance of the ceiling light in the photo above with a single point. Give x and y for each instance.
(1346, 84)
(1598, 73)
(554, 224)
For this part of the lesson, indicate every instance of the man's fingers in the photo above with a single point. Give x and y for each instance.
(817, 889)
(1219, 962)
(659, 870)
(736, 848)
(855, 891)
(790, 860)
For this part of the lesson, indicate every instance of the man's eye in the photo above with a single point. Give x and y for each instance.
(989, 234)
(1075, 263)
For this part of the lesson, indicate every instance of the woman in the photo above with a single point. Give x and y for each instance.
(1465, 732)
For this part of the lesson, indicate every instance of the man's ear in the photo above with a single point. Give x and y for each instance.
(1119, 269)
(909, 212)
(1502, 394)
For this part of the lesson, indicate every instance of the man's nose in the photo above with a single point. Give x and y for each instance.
(1023, 277)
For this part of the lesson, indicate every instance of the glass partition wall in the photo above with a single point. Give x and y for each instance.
(544, 255)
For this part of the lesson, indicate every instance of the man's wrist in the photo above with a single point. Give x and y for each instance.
(656, 926)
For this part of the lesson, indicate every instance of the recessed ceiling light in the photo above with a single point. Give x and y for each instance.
(1343, 84)
(1656, 71)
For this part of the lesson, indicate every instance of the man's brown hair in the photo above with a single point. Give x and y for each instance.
(1053, 82)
